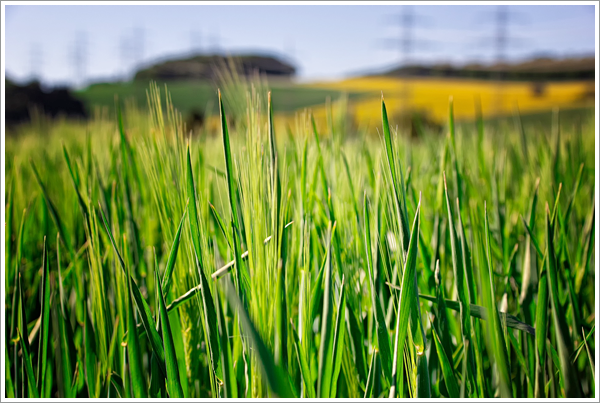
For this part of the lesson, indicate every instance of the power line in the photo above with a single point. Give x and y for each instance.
(79, 57)
(215, 43)
(195, 42)
(132, 47)
(138, 48)
(124, 54)
(35, 59)
(405, 43)
(501, 40)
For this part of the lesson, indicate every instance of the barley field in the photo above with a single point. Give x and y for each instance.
(304, 260)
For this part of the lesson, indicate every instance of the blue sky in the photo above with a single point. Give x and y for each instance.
(327, 42)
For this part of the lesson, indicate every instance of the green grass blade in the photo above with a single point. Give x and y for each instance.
(281, 319)
(230, 383)
(136, 370)
(457, 265)
(157, 380)
(407, 294)
(143, 309)
(303, 364)
(68, 356)
(276, 377)
(173, 382)
(495, 338)
(383, 337)
(166, 281)
(54, 213)
(221, 224)
(210, 316)
(338, 341)
(233, 203)
(371, 376)
(400, 204)
(90, 357)
(33, 391)
(325, 350)
(563, 339)
(447, 370)
(45, 324)
(480, 312)
(24, 342)
(317, 292)
(590, 357)
(113, 346)
(534, 241)
(82, 204)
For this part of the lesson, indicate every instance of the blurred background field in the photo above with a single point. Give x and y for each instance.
(499, 57)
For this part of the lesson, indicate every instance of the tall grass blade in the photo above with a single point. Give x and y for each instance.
(136, 370)
(276, 377)
(338, 341)
(383, 337)
(303, 364)
(399, 204)
(233, 203)
(210, 317)
(144, 310)
(563, 339)
(45, 324)
(408, 292)
(447, 370)
(495, 336)
(173, 382)
(166, 281)
(229, 381)
(54, 213)
(325, 350)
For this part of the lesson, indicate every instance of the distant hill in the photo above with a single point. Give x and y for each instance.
(205, 67)
(541, 68)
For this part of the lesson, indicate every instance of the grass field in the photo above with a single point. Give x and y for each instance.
(188, 96)
(325, 261)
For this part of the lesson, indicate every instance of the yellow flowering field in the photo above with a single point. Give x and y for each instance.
(431, 96)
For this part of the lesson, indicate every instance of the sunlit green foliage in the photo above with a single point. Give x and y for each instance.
(316, 260)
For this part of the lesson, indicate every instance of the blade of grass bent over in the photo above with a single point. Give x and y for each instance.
(479, 312)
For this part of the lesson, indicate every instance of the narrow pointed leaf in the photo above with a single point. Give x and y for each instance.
(276, 377)
(173, 382)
